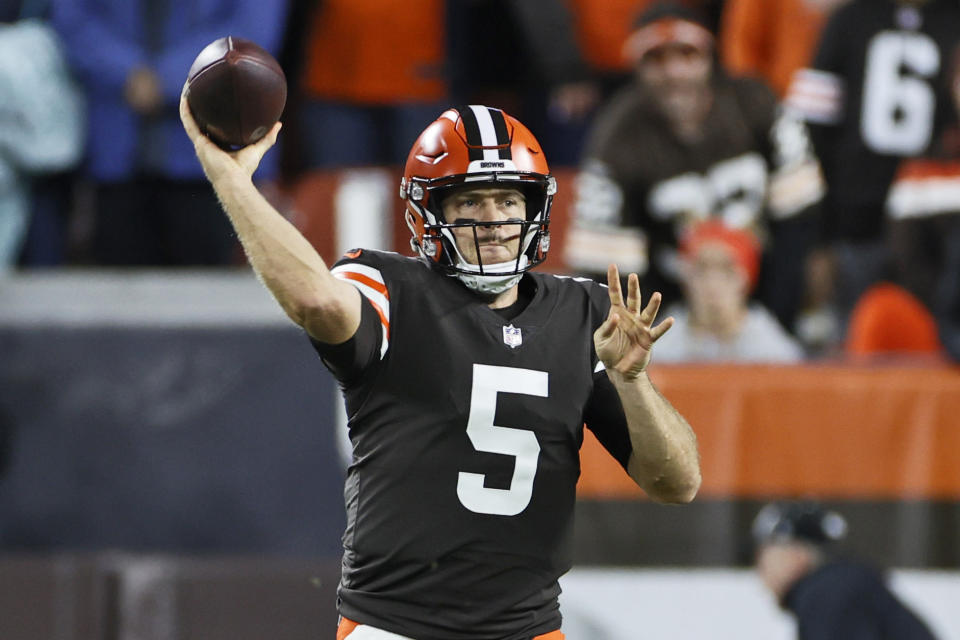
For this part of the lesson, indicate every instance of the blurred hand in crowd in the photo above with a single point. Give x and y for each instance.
(820, 268)
(142, 91)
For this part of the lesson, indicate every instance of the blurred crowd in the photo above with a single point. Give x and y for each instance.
(786, 172)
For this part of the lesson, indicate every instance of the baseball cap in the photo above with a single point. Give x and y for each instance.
(667, 23)
(804, 521)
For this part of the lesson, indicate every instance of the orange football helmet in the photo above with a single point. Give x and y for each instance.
(485, 146)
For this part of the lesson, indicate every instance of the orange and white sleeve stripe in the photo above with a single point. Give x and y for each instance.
(816, 96)
(924, 187)
(369, 282)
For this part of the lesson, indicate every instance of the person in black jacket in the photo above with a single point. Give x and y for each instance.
(6, 442)
(831, 598)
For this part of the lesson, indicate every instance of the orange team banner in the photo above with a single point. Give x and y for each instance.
(825, 431)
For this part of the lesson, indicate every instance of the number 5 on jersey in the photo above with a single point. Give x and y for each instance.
(485, 436)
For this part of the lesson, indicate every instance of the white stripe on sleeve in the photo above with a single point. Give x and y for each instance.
(355, 274)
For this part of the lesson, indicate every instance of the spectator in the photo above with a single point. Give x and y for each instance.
(559, 87)
(685, 142)
(772, 39)
(153, 205)
(359, 109)
(599, 29)
(923, 223)
(535, 66)
(574, 54)
(923, 210)
(602, 29)
(40, 121)
(832, 598)
(890, 322)
(718, 322)
(872, 97)
(358, 112)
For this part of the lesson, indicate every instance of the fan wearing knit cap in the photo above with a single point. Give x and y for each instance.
(717, 322)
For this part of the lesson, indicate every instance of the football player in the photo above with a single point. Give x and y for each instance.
(468, 379)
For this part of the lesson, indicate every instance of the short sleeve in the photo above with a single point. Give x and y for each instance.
(348, 360)
(603, 413)
(363, 270)
(604, 416)
(817, 93)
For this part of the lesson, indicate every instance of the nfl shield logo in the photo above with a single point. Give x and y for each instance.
(512, 337)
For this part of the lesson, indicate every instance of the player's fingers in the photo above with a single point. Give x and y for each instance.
(653, 307)
(613, 286)
(201, 142)
(657, 332)
(271, 137)
(633, 293)
(189, 124)
(275, 132)
(262, 145)
(609, 326)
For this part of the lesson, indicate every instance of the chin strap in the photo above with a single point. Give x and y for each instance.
(498, 277)
(489, 284)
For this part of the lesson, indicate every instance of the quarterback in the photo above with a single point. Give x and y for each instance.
(468, 380)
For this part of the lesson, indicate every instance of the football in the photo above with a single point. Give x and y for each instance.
(236, 92)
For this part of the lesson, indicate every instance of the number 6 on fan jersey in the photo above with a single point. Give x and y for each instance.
(485, 436)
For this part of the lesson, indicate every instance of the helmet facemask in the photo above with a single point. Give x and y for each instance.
(437, 241)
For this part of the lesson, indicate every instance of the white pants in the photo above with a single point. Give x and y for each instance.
(366, 632)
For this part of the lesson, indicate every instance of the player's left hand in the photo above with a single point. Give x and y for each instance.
(625, 340)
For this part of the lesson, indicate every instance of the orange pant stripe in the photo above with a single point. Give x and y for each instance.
(347, 626)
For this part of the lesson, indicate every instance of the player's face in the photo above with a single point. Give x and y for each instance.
(675, 67)
(497, 242)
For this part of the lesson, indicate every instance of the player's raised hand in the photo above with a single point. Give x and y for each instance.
(215, 160)
(625, 340)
